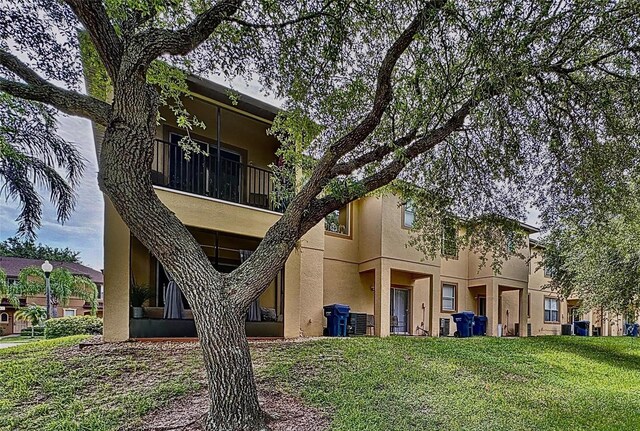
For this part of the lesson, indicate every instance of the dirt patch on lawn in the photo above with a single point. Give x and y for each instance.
(284, 413)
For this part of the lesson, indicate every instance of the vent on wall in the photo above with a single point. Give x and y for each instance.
(444, 327)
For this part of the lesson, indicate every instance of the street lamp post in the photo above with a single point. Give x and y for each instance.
(47, 268)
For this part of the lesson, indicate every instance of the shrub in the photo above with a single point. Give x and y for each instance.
(38, 331)
(76, 325)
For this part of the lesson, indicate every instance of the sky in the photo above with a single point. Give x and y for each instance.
(83, 231)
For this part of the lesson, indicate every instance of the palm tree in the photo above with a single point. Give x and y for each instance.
(33, 314)
(32, 157)
(64, 285)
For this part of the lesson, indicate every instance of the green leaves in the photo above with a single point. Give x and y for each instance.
(14, 247)
(597, 261)
(64, 285)
(33, 314)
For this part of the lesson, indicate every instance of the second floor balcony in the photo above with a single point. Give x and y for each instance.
(213, 172)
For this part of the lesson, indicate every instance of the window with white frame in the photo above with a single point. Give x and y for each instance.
(4, 317)
(448, 297)
(408, 215)
(69, 312)
(551, 308)
(100, 291)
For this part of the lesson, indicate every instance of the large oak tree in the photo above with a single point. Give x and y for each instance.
(481, 107)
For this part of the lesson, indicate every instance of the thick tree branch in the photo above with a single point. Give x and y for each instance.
(95, 20)
(301, 18)
(183, 41)
(375, 155)
(319, 207)
(381, 101)
(38, 89)
(281, 238)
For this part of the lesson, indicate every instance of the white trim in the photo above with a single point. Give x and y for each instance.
(64, 312)
(207, 198)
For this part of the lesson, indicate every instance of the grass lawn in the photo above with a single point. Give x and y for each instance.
(398, 383)
(401, 383)
(19, 339)
(53, 385)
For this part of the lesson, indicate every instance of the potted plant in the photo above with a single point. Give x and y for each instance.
(138, 295)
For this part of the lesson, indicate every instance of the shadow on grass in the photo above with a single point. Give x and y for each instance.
(591, 349)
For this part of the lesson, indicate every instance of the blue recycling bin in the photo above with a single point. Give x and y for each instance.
(631, 329)
(337, 319)
(464, 324)
(480, 325)
(581, 328)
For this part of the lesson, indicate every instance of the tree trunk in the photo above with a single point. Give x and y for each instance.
(233, 395)
(54, 308)
(125, 177)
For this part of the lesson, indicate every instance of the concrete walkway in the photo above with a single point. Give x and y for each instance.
(5, 345)
(6, 341)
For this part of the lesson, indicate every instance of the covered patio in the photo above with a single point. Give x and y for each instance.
(164, 317)
(504, 305)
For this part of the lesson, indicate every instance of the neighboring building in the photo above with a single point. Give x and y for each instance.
(548, 312)
(76, 307)
(358, 256)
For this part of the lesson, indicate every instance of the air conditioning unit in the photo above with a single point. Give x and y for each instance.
(517, 329)
(445, 326)
(357, 324)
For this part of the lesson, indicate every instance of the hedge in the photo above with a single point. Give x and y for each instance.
(37, 331)
(75, 325)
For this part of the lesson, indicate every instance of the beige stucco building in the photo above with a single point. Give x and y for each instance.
(358, 256)
(12, 266)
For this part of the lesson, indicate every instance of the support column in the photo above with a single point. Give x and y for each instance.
(493, 308)
(523, 315)
(420, 305)
(434, 305)
(312, 282)
(590, 319)
(292, 295)
(382, 300)
(117, 250)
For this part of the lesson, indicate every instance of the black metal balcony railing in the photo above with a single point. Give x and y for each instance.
(204, 175)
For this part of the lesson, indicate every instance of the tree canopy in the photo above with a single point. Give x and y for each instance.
(488, 107)
(598, 262)
(27, 248)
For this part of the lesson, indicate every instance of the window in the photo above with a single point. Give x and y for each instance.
(4, 318)
(408, 215)
(449, 297)
(511, 242)
(69, 312)
(100, 291)
(547, 271)
(338, 222)
(449, 240)
(551, 306)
